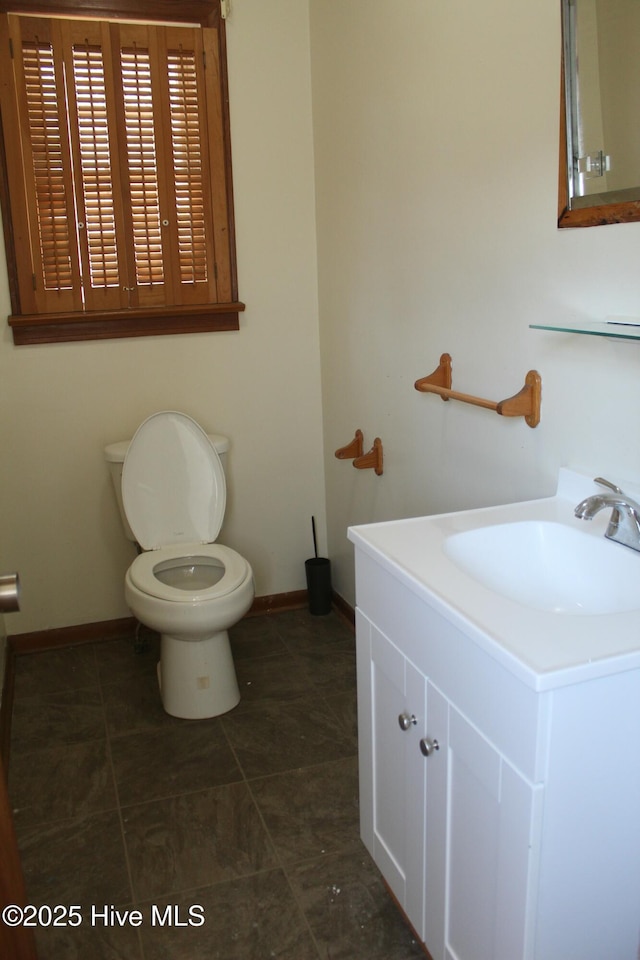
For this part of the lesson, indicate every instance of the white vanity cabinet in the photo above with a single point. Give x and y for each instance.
(446, 819)
(505, 820)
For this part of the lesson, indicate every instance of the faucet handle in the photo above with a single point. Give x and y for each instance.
(607, 483)
(615, 516)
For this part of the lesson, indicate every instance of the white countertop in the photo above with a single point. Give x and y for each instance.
(544, 649)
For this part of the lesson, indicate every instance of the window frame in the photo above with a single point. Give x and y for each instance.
(30, 328)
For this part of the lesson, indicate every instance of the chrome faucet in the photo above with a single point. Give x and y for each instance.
(624, 525)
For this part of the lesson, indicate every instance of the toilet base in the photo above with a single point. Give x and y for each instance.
(197, 678)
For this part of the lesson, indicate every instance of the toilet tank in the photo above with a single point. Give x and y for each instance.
(114, 454)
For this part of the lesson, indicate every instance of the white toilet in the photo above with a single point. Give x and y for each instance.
(171, 488)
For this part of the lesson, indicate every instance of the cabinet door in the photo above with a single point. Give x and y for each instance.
(491, 816)
(391, 719)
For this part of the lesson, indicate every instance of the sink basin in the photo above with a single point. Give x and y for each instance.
(550, 566)
(546, 594)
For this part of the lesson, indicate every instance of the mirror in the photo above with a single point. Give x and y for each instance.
(599, 126)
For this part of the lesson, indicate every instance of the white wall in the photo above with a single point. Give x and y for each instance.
(436, 145)
(261, 386)
(436, 133)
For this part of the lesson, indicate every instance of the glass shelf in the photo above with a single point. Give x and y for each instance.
(614, 331)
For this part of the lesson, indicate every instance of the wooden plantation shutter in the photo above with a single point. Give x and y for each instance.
(187, 146)
(95, 150)
(49, 274)
(147, 254)
(121, 171)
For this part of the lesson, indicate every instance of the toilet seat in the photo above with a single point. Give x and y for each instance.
(143, 571)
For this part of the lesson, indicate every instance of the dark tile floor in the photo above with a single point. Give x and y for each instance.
(249, 820)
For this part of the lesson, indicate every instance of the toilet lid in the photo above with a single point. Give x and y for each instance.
(173, 486)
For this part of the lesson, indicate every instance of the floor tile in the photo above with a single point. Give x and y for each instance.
(277, 737)
(331, 668)
(133, 705)
(301, 630)
(79, 861)
(253, 814)
(254, 918)
(311, 812)
(345, 708)
(195, 840)
(119, 660)
(181, 758)
(88, 942)
(256, 637)
(67, 668)
(58, 783)
(67, 716)
(272, 679)
(349, 910)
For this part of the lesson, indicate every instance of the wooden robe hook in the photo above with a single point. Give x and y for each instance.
(353, 449)
(362, 461)
(372, 459)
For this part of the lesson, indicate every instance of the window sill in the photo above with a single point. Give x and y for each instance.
(112, 325)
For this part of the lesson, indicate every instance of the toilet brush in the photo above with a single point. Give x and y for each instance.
(318, 573)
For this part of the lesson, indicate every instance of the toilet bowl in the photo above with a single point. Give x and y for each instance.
(184, 585)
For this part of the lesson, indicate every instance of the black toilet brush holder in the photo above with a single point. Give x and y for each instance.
(318, 572)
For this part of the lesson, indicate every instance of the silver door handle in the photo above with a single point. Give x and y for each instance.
(9, 592)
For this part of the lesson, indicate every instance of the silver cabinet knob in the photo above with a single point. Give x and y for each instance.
(407, 720)
(428, 746)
